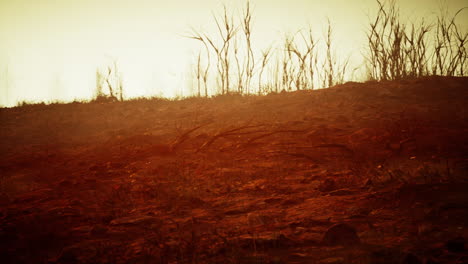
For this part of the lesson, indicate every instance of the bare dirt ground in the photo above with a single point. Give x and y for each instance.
(358, 173)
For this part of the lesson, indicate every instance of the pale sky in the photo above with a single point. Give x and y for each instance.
(50, 49)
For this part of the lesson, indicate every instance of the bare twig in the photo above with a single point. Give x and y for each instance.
(183, 137)
(225, 133)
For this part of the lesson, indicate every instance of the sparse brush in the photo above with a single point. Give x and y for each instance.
(301, 79)
(288, 67)
(265, 58)
(329, 62)
(203, 74)
(416, 50)
(112, 78)
(396, 50)
(334, 71)
(250, 59)
(240, 69)
(385, 43)
(227, 32)
(313, 58)
(449, 56)
(296, 68)
(198, 74)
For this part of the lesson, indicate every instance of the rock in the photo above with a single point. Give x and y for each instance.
(341, 235)
(327, 185)
(456, 245)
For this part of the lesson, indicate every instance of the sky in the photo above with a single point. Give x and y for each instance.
(50, 49)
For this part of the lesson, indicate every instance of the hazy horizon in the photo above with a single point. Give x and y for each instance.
(50, 50)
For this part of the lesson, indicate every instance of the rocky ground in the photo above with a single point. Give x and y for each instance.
(359, 173)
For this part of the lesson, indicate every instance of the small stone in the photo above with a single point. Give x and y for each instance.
(341, 235)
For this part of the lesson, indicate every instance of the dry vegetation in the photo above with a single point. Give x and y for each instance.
(297, 65)
(395, 50)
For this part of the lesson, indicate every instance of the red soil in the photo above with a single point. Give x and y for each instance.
(237, 179)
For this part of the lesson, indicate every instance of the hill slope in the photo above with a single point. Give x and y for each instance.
(358, 173)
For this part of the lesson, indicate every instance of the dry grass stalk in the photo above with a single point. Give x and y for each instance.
(250, 58)
(265, 58)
